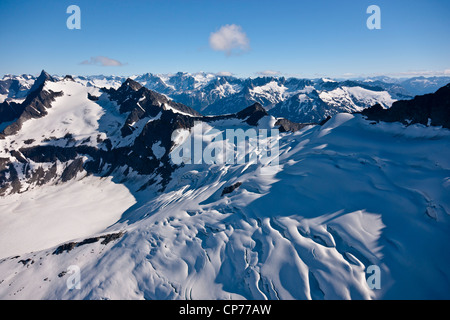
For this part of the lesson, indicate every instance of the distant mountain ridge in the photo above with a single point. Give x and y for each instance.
(299, 100)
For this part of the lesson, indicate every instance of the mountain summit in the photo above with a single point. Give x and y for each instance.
(44, 76)
(129, 83)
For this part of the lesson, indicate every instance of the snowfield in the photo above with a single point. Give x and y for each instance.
(346, 195)
(356, 98)
(37, 220)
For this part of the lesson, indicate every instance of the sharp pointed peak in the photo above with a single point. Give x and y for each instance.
(253, 108)
(252, 113)
(39, 82)
(44, 75)
(130, 83)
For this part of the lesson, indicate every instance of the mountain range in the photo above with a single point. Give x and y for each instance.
(299, 100)
(88, 183)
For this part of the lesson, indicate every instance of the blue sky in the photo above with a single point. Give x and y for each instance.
(290, 38)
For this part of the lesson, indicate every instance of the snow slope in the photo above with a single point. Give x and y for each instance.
(73, 113)
(355, 98)
(37, 220)
(311, 105)
(346, 195)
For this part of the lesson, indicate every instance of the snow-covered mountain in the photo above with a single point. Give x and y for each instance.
(15, 86)
(215, 95)
(87, 180)
(300, 100)
(410, 86)
(314, 105)
(424, 85)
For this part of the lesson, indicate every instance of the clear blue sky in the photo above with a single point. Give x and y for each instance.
(302, 38)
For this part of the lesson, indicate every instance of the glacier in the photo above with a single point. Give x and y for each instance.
(346, 195)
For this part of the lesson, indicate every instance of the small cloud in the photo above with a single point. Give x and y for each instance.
(268, 73)
(419, 73)
(224, 74)
(229, 39)
(103, 61)
(349, 75)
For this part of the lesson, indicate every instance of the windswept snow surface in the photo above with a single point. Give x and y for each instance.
(347, 195)
(37, 220)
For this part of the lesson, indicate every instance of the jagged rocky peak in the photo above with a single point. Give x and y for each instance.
(130, 84)
(252, 114)
(44, 76)
(254, 108)
(34, 106)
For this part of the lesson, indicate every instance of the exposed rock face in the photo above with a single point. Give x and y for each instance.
(92, 97)
(142, 102)
(430, 109)
(131, 93)
(252, 114)
(10, 111)
(72, 170)
(67, 247)
(56, 160)
(38, 164)
(289, 126)
(231, 188)
(35, 106)
(38, 84)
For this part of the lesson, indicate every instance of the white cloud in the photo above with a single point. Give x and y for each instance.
(413, 73)
(224, 74)
(103, 61)
(403, 74)
(268, 73)
(424, 73)
(229, 39)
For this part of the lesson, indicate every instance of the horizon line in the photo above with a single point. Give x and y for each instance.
(397, 75)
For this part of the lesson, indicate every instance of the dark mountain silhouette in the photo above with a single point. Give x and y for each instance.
(430, 109)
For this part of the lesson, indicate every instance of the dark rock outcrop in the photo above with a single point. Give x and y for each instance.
(92, 97)
(67, 247)
(141, 102)
(72, 170)
(252, 114)
(289, 126)
(35, 106)
(231, 188)
(10, 111)
(430, 109)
